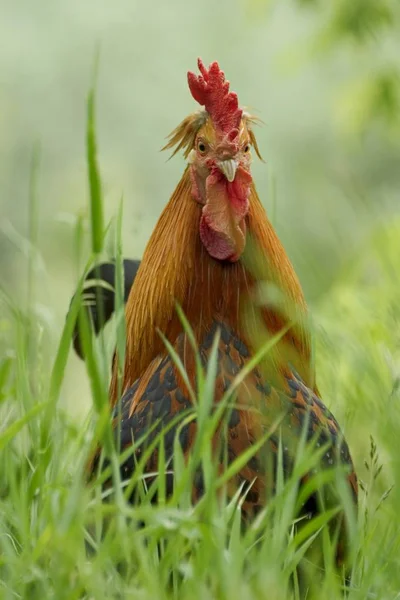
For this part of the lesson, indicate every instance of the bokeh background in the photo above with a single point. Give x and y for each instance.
(322, 76)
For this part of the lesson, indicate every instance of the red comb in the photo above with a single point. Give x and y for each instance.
(211, 90)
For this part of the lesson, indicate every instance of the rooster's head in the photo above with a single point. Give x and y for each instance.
(217, 143)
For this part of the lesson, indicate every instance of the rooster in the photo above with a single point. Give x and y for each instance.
(212, 245)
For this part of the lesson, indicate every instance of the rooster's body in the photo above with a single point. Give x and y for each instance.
(211, 246)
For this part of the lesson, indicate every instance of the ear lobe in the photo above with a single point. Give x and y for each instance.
(191, 156)
(183, 136)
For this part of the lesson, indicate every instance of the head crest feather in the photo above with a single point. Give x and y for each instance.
(211, 90)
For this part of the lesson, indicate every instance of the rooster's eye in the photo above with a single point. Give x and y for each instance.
(246, 148)
(201, 147)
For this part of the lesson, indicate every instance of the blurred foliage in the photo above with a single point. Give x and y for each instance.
(364, 22)
(373, 97)
(365, 303)
(358, 20)
(359, 23)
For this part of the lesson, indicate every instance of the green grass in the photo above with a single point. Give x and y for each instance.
(59, 539)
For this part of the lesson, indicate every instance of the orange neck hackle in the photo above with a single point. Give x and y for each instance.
(176, 268)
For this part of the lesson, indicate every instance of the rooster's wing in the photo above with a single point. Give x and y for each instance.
(255, 409)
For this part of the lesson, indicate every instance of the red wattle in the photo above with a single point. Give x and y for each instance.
(219, 245)
(222, 224)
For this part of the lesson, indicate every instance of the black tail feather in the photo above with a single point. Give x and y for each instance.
(99, 298)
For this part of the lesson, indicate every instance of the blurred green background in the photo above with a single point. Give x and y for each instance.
(322, 76)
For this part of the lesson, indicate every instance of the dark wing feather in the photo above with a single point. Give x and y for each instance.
(257, 405)
(161, 402)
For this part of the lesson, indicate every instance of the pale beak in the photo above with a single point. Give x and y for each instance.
(228, 168)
